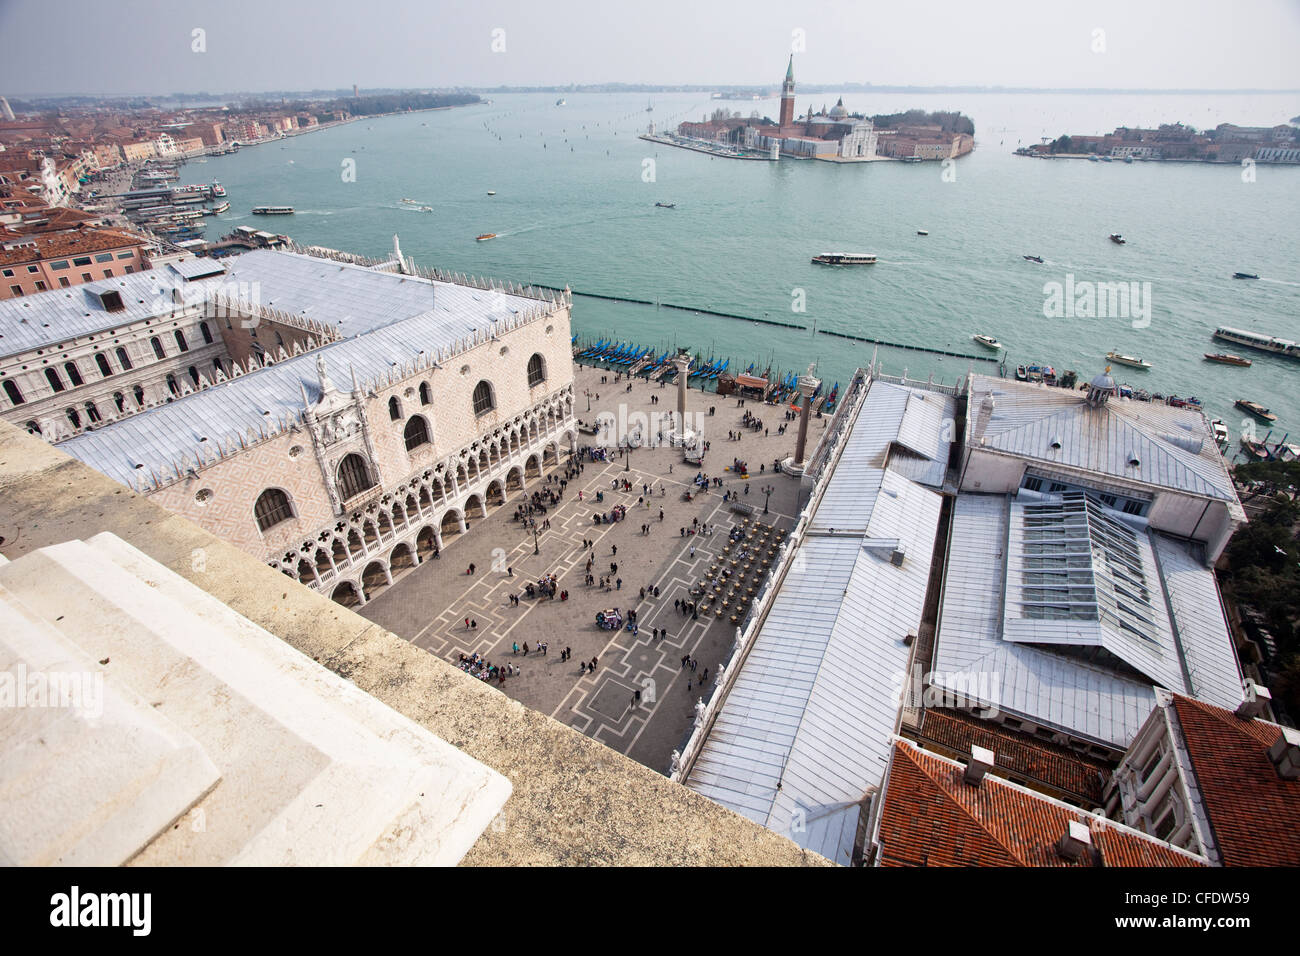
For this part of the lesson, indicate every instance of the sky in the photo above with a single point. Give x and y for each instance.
(151, 47)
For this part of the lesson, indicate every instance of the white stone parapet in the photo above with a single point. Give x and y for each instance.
(183, 734)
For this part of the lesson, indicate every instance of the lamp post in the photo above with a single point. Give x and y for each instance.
(767, 496)
(587, 392)
(536, 549)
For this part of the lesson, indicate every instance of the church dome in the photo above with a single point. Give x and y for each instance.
(1103, 382)
(838, 111)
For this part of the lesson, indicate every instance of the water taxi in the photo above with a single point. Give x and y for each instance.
(1221, 437)
(1037, 259)
(1226, 358)
(844, 259)
(1254, 448)
(922, 232)
(272, 210)
(1244, 275)
(1116, 238)
(410, 202)
(988, 341)
(666, 205)
(1256, 409)
(1130, 360)
(485, 237)
(492, 192)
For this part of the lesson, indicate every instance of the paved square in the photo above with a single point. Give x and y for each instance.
(429, 604)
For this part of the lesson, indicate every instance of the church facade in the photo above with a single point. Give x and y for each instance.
(352, 418)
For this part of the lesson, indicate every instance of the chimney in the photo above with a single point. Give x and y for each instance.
(1285, 754)
(896, 556)
(1076, 842)
(981, 760)
(1257, 701)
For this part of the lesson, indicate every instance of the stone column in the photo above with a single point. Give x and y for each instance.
(680, 434)
(807, 385)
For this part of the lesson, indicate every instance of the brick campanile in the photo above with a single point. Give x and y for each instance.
(787, 96)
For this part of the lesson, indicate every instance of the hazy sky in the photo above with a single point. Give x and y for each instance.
(145, 46)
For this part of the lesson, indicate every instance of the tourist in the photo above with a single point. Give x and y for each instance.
(515, 648)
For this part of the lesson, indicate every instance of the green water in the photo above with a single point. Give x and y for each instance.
(573, 206)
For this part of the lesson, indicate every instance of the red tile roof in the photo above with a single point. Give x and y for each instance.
(74, 243)
(932, 817)
(1254, 813)
(1052, 765)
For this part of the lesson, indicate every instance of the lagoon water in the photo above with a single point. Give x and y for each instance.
(574, 205)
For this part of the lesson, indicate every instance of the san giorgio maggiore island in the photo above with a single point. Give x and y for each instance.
(833, 135)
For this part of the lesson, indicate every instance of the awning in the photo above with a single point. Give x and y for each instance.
(751, 381)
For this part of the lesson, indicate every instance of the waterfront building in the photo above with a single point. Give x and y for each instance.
(339, 420)
(31, 264)
(999, 565)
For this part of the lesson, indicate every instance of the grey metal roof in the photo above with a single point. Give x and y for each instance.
(805, 731)
(358, 299)
(60, 315)
(1052, 688)
(390, 329)
(197, 268)
(1174, 447)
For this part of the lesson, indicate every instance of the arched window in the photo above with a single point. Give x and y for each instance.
(271, 508)
(172, 386)
(416, 432)
(484, 400)
(102, 361)
(426, 396)
(536, 370)
(180, 340)
(74, 374)
(354, 476)
(207, 333)
(52, 376)
(92, 413)
(157, 347)
(123, 360)
(394, 409)
(194, 376)
(12, 390)
(138, 392)
(33, 428)
(120, 401)
(74, 417)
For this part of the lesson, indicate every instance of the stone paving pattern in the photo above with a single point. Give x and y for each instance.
(428, 604)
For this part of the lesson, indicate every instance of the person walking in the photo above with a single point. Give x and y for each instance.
(515, 648)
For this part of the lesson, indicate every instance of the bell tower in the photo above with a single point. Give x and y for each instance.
(787, 95)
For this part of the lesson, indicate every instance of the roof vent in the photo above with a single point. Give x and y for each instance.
(909, 638)
(1285, 754)
(1075, 843)
(896, 556)
(981, 761)
(1056, 443)
(111, 300)
(1134, 461)
(1257, 701)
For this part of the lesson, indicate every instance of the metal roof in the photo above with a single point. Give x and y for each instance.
(982, 631)
(392, 326)
(60, 315)
(1173, 447)
(805, 731)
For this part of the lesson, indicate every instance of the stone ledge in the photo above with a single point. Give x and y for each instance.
(575, 801)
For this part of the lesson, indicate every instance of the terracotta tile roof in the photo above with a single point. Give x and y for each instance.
(75, 243)
(1254, 813)
(1053, 765)
(931, 817)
